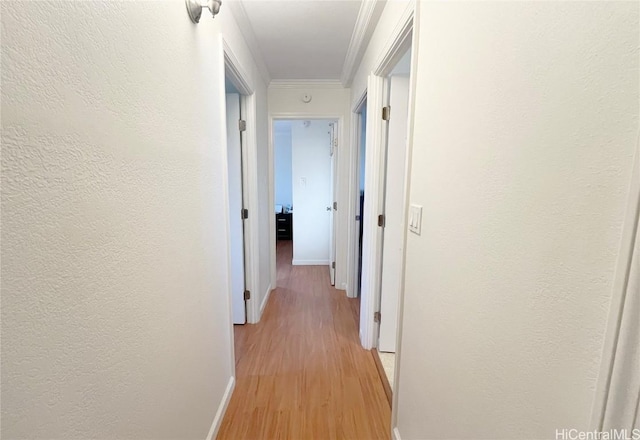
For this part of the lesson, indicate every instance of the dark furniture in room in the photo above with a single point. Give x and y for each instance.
(284, 226)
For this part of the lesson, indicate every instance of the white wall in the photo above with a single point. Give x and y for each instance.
(311, 163)
(283, 164)
(115, 307)
(526, 117)
(327, 101)
(236, 44)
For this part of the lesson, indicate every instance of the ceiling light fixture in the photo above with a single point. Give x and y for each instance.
(195, 7)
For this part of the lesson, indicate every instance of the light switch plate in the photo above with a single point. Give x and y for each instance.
(415, 218)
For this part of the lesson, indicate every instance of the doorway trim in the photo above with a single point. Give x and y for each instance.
(354, 195)
(400, 40)
(618, 367)
(240, 79)
(279, 116)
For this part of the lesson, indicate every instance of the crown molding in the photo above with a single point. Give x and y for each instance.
(368, 16)
(306, 84)
(246, 28)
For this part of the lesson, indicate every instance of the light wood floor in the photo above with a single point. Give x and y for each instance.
(301, 372)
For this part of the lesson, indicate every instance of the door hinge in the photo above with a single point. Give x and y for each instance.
(386, 113)
(381, 220)
(357, 218)
(335, 206)
(242, 125)
(333, 265)
(335, 143)
(244, 214)
(376, 317)
(247, 295)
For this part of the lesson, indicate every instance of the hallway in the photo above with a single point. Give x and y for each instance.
(301, 372)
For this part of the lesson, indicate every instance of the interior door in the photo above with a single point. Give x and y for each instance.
(236, 233)
(333, 143)
(394, 211)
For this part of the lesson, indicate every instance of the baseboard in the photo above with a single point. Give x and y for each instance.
(310, 262)
(217, 420)
(396, 434)
(264, 301)
(383, 375)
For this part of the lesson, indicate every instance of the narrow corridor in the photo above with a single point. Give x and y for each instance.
(301, 372)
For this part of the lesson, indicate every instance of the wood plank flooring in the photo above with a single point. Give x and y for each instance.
(301, 372)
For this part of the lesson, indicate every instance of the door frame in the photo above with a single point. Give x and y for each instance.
(394, 49)
(280, 116)
(353, 228)
(613, 378)
(239, 77)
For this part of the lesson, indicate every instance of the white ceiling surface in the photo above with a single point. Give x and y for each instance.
(303, 39)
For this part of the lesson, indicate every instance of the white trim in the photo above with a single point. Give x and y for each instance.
(371, 232)
(309, 262)
(240, 78)
(394, 49)
(407, 196)
(222, 408)
(275, 116)
(611, 385)
(396, 434)
(237, 74)
(265, 299)
(252, 232)
(368, 17)
(305, 83)
(240, 15)
(225, 205)
(354, 197)
(398, 42)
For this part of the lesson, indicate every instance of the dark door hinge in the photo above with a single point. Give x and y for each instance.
(242, 125)
(381, 220)
(376, 317)
(244, 214)
(335, 206)
(333, 265)
(386, 113)
(247, 295)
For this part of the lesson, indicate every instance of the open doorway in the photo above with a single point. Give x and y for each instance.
(396, 89)
(304, 163)
(236, 127)
(378, 275)
(362, 155)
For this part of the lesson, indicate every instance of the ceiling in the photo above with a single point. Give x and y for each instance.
(303, 39)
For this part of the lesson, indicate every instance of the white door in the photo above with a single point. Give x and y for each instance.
(333, 143)
(394, 212)
(234, 162)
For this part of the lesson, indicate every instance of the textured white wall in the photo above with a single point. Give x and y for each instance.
(526, 121)
(115, 311)
(326, 102)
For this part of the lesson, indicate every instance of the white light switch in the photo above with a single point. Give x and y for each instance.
(415, 218)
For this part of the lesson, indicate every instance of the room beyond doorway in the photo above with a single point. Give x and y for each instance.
(304, 163)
